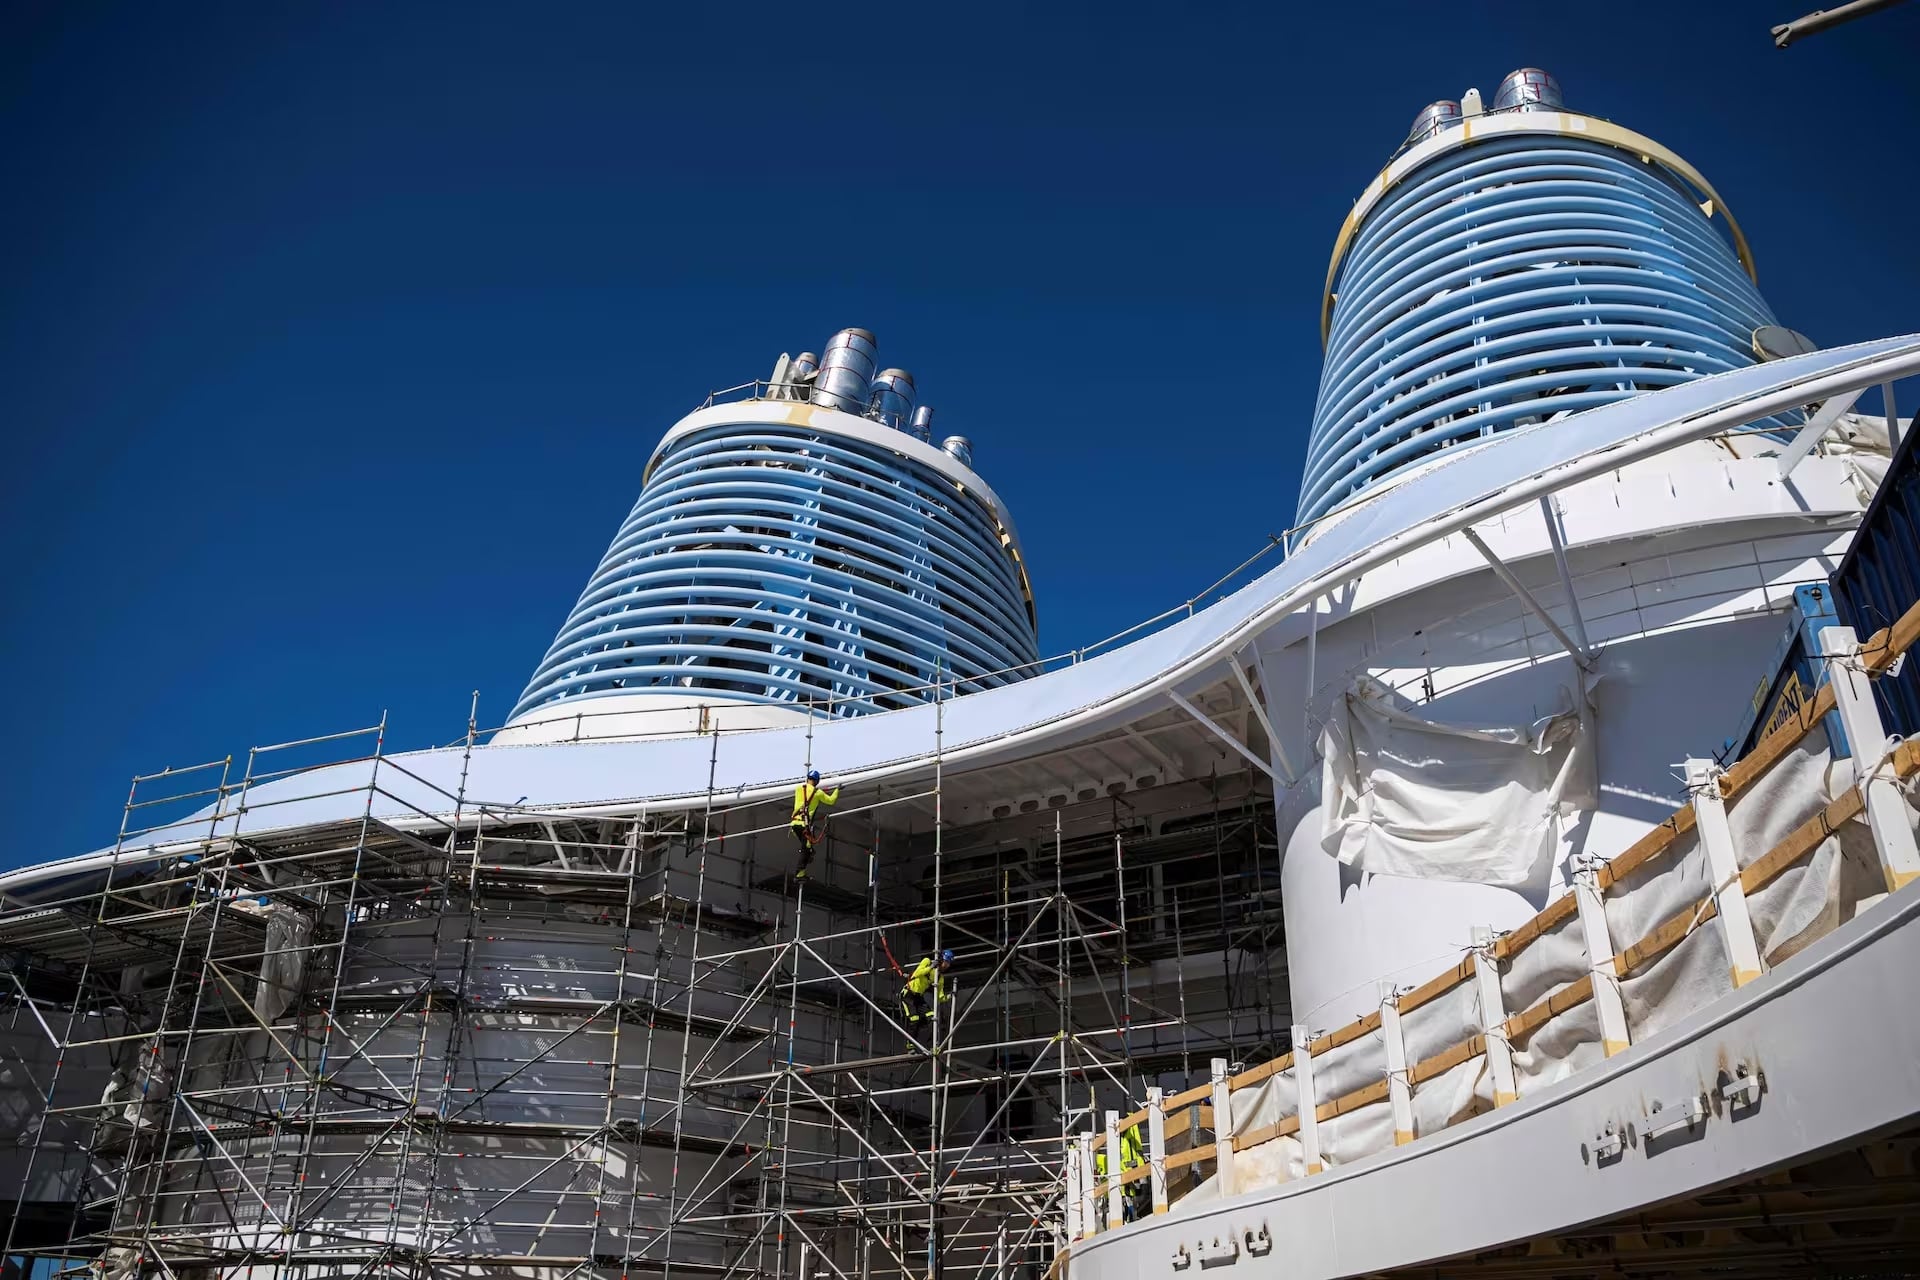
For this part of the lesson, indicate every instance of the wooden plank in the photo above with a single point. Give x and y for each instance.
(1447, 1059)
(1267, 1133)
(1646, 848)
(1181, 1159)
(1435, 987)
(1776, 744)
(1801, 841)
(1666, 937)
(1254, 1075)
(1527, 1021)
(1879, 650)
(1178, 1100)
(1365, 1096)
(1555, 914)
(1345, 1035)
(1906, 759)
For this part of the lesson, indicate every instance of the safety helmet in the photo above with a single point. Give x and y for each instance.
(813, 775)
(946, 955)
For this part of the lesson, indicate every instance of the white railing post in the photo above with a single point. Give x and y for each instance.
(1867, 738)
(1070, 1191)
(1307, 1098)
(1493, 1017)
(1587, 899)
(1223, 1126)
(1116, 1211)
(1399, 1086)
(1089, 1215)
(1157, 1146)
(1723, 865)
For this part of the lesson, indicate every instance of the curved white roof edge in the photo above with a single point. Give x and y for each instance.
(587, 779)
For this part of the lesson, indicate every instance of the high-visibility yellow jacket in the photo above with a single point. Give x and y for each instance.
(926, 976)
(808, 800)
(1132, 1154)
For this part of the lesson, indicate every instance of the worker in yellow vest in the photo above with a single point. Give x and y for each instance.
(1132, 1155)
(809, 824)
(926, 984)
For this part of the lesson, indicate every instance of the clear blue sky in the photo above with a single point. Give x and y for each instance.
(334, 337)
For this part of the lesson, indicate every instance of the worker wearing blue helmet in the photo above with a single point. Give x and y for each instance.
(926, 984)
(809, 823)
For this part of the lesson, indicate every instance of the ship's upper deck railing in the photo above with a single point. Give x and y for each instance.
(1342, 1094)
(795, 392)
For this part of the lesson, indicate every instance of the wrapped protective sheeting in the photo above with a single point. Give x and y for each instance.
(1571, 1040)
(1430, 1030)
(1406, 796)
(1830, 884)
(1803, 903)
(1818, 894)
(1268, 1164)
(1345, 1070)
(1356, 1135)
(1567, 1043)
(284, 965)
(1556, 959)
(1269, 1102)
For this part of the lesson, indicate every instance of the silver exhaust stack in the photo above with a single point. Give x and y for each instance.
(891, 400)
(846, 371)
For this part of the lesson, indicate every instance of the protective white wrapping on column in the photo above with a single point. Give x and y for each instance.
(285, 962)
(1406, 796)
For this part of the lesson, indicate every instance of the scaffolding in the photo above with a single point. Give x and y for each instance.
(467, 1037)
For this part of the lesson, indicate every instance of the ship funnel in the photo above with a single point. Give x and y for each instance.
(922, 424)
(846, 371)
(1528, 89)
(800, 375)
(959, 448)
(891, 400)
(1434, 117)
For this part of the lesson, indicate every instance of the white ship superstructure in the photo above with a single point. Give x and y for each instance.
(1482, 888)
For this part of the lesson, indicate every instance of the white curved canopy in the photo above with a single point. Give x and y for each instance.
(1506, 472)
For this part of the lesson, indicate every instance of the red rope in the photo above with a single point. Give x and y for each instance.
(898, 971)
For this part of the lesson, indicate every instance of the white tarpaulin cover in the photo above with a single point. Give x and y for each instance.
(1405, 796)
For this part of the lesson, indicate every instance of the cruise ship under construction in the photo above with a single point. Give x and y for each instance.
(1510, 873)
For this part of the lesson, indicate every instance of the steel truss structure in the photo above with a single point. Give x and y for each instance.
(493, 1040)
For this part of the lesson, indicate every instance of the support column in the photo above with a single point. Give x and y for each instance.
(1223, 1127)
(1070, 1191)
(1116, 1206)
(1867, 736)
(1157, 1146)
(1089, 1214)
(1399, 1088)
(1723, 864)
(1493, 1017)
(1599, 943)
(1308, 1099)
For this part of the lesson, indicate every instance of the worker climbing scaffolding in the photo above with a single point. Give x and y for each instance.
(809, 823)
(926, 985)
